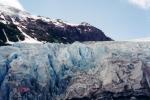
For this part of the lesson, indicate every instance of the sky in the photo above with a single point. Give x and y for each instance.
(118, 19)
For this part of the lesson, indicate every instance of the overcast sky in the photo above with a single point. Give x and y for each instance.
(119, 19)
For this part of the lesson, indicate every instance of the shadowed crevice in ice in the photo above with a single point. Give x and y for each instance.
(59, 82)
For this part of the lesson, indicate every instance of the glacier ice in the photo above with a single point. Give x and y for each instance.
(78, 70)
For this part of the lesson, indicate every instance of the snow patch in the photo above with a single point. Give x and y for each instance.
(7, 40)
(28, 39)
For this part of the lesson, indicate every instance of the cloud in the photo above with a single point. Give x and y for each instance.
(12, 3)
(144, 4)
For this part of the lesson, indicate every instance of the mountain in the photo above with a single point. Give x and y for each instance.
(78, 71)
(17, 25)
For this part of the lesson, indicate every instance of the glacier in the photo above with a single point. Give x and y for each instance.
(78, 71)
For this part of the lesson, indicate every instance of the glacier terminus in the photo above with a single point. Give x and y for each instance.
(78, 71)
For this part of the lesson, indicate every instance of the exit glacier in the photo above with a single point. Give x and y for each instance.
(78, 71)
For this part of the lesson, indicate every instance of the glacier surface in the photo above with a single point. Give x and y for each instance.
(84, 71)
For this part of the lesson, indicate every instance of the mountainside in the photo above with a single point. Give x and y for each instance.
(17, 25)
(89, 71)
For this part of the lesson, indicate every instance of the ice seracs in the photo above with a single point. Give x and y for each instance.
(66, 71)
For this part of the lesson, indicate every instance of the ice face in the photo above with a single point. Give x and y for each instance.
(59, 71)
